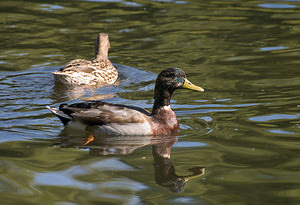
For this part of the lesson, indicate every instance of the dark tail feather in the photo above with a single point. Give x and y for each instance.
(62, 116)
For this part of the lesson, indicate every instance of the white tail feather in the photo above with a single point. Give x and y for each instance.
(59, 113)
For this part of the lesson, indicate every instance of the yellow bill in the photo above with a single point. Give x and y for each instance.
(187, 84)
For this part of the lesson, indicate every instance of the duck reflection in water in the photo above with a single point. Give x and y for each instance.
(85, 93)
(164, 171)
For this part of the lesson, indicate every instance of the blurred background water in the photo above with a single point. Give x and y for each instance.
(239, 140)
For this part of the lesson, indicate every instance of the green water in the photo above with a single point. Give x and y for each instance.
(239, 140)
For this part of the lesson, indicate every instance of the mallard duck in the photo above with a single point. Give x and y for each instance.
(129, 120)
(85, 72)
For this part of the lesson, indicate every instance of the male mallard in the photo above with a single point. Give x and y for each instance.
(129, 120)
(85, 72)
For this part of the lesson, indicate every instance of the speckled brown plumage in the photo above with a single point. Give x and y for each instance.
(85, 72)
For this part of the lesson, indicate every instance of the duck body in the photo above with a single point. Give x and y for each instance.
(120, 119)
(116, 119)
(85, 72)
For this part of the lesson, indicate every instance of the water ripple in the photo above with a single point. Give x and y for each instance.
(274, 117)
(278, 6)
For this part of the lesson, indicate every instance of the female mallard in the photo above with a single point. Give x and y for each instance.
(85, 72)
(129, 120)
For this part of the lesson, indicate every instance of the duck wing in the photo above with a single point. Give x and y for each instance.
(78, 65)
(103, 113)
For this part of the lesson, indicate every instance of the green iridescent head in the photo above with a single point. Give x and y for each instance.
(174, 78)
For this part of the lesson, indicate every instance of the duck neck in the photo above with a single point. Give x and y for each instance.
(162, 97)
(101, 47)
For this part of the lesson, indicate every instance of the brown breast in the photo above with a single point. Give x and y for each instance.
(164, 122)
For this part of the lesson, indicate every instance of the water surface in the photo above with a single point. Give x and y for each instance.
(239, 140)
